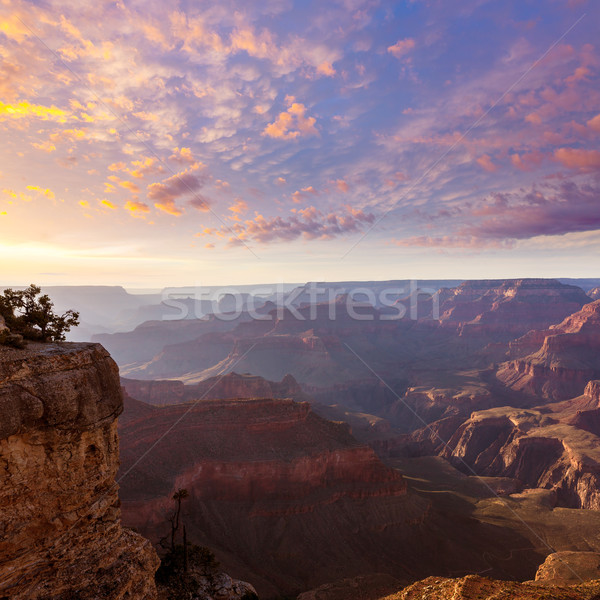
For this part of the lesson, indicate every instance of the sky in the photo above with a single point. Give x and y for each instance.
(150, 143)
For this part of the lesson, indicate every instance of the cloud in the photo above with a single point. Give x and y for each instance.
(183, 156)
(129, 185)
(485, 162)
(47, 192)
(165, 193)
(308, 223)
(303, 194)
(25, 109)
(201, 203)
(44, 146)
(557, 210)
(342, 186)
(238, 208)
(575, 158)
(136, 208)
(401, 47)
(108, 204)
(452, 241)
(594, 123)
(292, 124)
(326, 68)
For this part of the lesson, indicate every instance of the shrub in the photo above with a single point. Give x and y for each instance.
(31, 316)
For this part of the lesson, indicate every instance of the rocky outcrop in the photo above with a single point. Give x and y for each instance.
(232, 385)
(562, 568)
(284, 497)
(366, 587)
(510, 306)
(61, 530)
(568, 357)
(474, 587)
(594, 293)
(542, 448)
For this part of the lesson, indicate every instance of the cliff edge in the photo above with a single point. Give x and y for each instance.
(60, 531)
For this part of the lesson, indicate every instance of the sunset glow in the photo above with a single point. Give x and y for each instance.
(151, 143)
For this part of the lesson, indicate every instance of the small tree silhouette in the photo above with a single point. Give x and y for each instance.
(34, 318)
(178, 496)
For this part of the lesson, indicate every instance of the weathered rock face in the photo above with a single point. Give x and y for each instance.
(513, 305)
(232, 385)
(553, 447)
(562, 568)
(287, 500)
(594, 293)
(61, 530)
(567, 358)
(474, 587)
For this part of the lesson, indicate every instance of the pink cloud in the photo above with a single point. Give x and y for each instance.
(308, 223)
(165, 193)
(558, 210)
(575, 158)
(303, 194)
(594, 124)
(485, 162)
(401, 47)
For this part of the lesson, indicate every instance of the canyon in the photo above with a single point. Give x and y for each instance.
(324, 457)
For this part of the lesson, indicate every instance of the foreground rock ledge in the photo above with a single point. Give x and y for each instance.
(60, 530)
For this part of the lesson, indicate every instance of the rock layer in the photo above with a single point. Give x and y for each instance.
(287, 500)
(567, 357)
(61, 530)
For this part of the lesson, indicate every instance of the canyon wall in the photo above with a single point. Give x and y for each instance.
(61, 533)
(554, 447)
(285, 498)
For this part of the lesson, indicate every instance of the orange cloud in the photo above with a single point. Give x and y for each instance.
(292, 124)
(129, 185)
(135, 207)
(585, 160)
(46, 192)
(342, 186)
(239, 207)
(146, 166)
(108, 204)
(326, 68)
(401, 47)
(44, 146)
(25, 109)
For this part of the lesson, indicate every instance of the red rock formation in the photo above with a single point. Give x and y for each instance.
(61, 530)
(568, 358)
(543, 448)
(232, 385)
(509, 306)
(562, 568)
(474, 587)
(285, 498)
